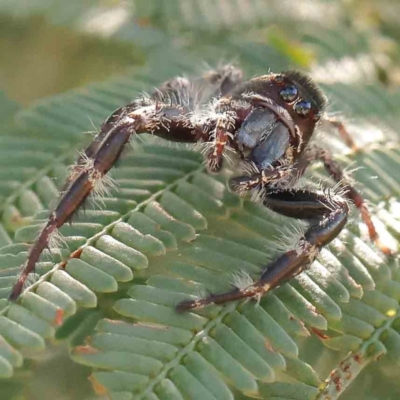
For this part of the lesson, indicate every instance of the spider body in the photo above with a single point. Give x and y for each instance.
(267, 122)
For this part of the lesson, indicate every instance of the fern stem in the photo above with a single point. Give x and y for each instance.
(351, 366)
(204, 333)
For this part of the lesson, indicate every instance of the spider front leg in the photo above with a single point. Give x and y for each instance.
(327, 216)
(93, 147)
(220, 138)
(316, 153)
(225, 79)
(213, 83)
(101, 155)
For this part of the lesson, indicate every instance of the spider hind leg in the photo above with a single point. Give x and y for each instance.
(327, 215)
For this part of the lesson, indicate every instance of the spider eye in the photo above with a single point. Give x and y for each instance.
(289, 93)
(302, 108)
(279, 79)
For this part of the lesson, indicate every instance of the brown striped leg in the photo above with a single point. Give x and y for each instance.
(261, 179)
(225, 79)
(211, 84)
(106, 127)
(316, 153)
(98, 159)
(330, 212)
(343, 132)
(222, 135)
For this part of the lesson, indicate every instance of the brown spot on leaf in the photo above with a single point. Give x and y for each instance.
(320, 334)
(85, 350)
(357, 358)
(59, 317)
(267, 344)
(98, 388)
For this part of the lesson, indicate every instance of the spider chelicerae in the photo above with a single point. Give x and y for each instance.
(267, 122)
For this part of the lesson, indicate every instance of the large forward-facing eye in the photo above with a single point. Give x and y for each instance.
(289, 93)
(302, 108)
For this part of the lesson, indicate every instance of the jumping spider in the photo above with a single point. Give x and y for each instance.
(267, 122)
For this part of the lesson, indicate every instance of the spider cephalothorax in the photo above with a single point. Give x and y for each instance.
(267, 122)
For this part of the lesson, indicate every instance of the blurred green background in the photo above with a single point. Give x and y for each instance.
(48, 47)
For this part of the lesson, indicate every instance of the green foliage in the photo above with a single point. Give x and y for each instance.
(170, 231)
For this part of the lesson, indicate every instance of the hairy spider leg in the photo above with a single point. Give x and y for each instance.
(260, 179)
(225, 78)
(82, 159)
(92, 148)
(78, 190)
(222, 135)
(316, 153)
(343, 132)
(151, 119)
(172, 123)
(191, 93)
(327, 215)
(213, 83)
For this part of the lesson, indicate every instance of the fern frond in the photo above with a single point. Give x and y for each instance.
(169, 232)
